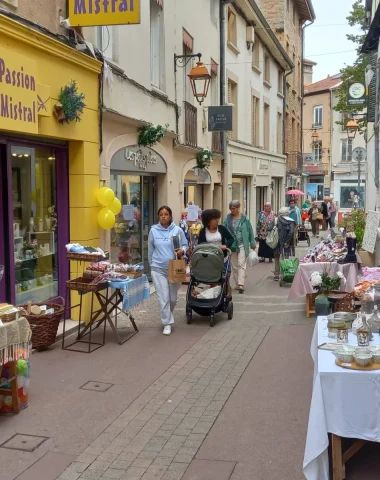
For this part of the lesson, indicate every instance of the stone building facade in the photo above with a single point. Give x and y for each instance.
(288, 18)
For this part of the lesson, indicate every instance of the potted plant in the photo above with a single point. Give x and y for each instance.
(204, 158)
(70, 104)
(324, 284)
(150, 134)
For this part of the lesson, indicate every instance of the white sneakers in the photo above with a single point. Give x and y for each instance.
(167, 330)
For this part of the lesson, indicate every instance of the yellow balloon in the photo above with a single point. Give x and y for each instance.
(105, 196)
(115, 206)
(106, 219)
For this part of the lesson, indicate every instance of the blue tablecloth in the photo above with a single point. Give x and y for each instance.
(135, 291)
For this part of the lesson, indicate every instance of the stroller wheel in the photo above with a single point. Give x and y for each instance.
(189, 316)
(230, 310)
(212, 320)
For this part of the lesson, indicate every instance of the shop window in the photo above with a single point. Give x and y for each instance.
(157, 46)
(232, 28)
(35, 224)
(317, 152)
(267, 69)
(105, 41)
(315, 191)
(346, 150)
(195, 183)
(266, 126)
(239, 192)
(317, 116)
(255, 121)
(256, 55)
(280, 128)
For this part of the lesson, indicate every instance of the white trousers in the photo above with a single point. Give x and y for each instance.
(239, 264)
(167, 294)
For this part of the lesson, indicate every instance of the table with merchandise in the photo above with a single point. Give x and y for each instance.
(114, 288)
(344, 400)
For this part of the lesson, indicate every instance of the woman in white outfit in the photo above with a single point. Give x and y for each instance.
(160, 251)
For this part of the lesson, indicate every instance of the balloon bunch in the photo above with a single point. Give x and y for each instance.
(111, 207)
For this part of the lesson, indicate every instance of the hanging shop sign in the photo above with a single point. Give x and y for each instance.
(87, 13)
(18, 93)
(138, 159)
(220, 119)
(356, 93)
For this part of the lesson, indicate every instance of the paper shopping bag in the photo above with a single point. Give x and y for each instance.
(177, 271)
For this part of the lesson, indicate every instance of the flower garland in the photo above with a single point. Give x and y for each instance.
(71, 103)
(204, 158)
(322, 282)
(151, 134)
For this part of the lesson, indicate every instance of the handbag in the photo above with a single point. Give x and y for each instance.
(177, 271)
(253, 259)
(272, 237)
(320, 216)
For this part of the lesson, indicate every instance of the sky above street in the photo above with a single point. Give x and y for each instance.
(325, 40)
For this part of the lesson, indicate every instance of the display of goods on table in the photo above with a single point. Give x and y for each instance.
(44, 319)
(367, 286)
(23, 383)
(327, 250)
(8, 313)
(79, 253)
(95, 269)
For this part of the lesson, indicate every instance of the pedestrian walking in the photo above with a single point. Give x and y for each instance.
(241, 229)
(217, 235)
(325, 213)
(295, 214)
(314, 215)
(332, 212)
(161, 249)
(286, 227)
(265, 223)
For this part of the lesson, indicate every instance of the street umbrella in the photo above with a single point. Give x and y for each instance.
(294, 192)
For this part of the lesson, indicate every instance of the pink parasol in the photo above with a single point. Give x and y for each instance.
(294, 192)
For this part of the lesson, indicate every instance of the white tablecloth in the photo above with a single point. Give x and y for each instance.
(344, 402)
(301, 284)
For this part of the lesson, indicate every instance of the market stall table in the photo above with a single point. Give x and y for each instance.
(128, 293)
(344, 403)
(301, 285)
(15, 344)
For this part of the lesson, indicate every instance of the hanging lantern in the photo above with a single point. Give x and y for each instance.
(199, 81)
(351, 127)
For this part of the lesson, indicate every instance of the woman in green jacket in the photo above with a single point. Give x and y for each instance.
(241, 229)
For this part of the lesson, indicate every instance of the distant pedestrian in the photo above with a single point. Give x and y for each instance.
(160, 252)
(325, 213)
(286, 227)
(332, 212)
(314, 214)
(295, 214)
(241, 229)
(265, 223)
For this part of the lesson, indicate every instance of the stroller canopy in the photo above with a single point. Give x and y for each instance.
(207, 263)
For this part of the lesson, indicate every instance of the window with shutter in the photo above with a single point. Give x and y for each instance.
(266, 126)
(346, 150)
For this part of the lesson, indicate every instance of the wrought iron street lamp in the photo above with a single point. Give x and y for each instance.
(199, 76)
(351, 127)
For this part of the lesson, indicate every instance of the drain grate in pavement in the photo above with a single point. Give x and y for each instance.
(26, 443)
(96, 386)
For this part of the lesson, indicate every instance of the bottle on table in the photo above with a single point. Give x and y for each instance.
(364, 333)
(374, 321)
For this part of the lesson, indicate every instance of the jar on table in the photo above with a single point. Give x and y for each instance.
(367, 301)
(333, 324)
(376, 296)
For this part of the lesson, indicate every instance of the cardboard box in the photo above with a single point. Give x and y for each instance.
(368, 259)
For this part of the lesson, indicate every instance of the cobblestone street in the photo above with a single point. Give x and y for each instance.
(159, 432)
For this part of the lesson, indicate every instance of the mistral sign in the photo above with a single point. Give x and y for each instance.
(87, 13)
(18, 93)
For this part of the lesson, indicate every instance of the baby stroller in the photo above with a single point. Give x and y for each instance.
(288, 265)
(208, 269)
(302, 235)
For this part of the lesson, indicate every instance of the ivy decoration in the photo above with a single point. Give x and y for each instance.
(71, 103)
(150, 134)
(204, 158)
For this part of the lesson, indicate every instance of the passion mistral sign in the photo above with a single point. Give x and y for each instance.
(87, 13)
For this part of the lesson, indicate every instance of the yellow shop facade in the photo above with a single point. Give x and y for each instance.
(49, 171)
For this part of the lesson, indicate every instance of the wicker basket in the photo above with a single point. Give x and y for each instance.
(8, 317)
(82, 284)
(135, 274)
(91, 274)
(45, 326)
(87, 257)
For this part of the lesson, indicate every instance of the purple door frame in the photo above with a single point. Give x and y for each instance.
(62, 210)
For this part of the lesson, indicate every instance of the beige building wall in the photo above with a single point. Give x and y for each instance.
(324, 132)
(44, 12)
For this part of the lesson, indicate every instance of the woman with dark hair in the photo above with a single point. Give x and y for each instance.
(160, 251)
(216, 234)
